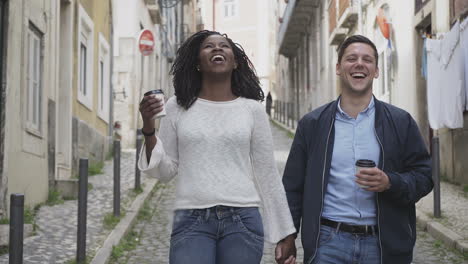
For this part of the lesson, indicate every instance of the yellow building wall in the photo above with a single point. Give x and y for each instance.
(100, 14)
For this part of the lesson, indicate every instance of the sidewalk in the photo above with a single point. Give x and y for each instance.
(452, 228)
(55, 236)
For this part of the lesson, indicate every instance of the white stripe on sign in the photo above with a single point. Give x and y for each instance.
(146, 42)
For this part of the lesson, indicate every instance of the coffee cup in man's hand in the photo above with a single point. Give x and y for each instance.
(364, 164)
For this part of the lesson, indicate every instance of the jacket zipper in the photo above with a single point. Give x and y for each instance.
(377, 194)
(323, 183)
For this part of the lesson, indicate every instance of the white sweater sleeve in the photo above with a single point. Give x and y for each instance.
(163, 163)
(277, 218)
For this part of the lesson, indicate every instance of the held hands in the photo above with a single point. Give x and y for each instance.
(285, 252)
(374, 178)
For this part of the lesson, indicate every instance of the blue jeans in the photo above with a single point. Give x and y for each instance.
(220, 234)
(338, 247)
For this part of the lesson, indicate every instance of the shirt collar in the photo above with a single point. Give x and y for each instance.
(367, 111)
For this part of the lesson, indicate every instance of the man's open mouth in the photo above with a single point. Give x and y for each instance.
(358, 75)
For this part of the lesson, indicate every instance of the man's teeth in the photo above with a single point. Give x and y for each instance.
(358, 75)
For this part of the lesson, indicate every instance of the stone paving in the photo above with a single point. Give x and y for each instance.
(154, 234)
(55, 239)
(454, 208)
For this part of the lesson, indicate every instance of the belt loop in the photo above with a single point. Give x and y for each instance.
(338, 227)
(207, 215)
(233, 215)
(366, 228)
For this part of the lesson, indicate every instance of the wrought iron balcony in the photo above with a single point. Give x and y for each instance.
(296, 19)
(153, 9)
(343, 15)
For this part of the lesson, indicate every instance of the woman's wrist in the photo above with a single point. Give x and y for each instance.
(148, 128)
(148, 133)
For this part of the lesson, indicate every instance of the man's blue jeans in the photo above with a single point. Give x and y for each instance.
(220, 234)
(338, 247)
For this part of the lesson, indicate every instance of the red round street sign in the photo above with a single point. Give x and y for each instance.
(146, 42)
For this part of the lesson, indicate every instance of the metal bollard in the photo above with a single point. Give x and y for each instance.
(293, 115)
(274, 109)
(16, 228)
(116, 178)
(82, 211)
(139, 141)
(282, 113)
(436, 175)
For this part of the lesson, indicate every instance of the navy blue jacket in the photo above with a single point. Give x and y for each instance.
(404, 158)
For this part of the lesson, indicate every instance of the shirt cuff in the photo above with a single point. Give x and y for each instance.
(156, 156)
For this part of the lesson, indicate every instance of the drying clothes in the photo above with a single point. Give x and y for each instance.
(445, 80)
(424, 61)
(433, 49)
(453, 92)
(464, 44)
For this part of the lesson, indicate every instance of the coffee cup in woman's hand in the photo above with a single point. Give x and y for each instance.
(152, 105)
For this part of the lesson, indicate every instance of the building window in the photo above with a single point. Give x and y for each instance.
(104, 79)
(34, 78)
(85, 55)
(229, 8)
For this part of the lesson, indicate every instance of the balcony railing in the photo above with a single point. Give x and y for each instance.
(343, 15)
(295, 20)
(153, 9)
(284, 112)
(418, 4)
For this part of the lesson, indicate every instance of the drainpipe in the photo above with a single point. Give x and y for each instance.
(214, 15)
(111, 73)
(3, 24)
(359, 5)
(182, 36)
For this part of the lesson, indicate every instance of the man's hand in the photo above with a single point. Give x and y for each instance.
(285, 252)
(374, 178)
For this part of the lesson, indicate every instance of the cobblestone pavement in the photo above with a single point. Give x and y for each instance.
(55, 239)
(154, 234)
(453, 203)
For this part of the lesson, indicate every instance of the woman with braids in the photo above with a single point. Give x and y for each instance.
(216, 139)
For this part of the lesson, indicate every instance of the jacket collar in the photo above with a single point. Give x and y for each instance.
(378, 109)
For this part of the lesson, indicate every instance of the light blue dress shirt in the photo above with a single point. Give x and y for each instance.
(355, 139)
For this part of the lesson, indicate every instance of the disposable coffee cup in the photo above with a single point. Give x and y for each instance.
(364, 164)
(158, 94)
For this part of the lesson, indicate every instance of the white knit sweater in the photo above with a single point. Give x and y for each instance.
(222, 154)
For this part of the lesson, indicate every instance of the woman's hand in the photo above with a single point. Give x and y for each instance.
(149, 107)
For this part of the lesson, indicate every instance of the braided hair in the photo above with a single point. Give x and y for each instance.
(187, 80)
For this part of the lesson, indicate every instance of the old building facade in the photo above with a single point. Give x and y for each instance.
(308, 40)
(56, 95)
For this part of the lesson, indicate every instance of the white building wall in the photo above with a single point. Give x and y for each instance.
(252, 28)
(134, 74)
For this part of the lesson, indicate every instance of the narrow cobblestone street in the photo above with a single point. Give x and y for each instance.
(55, 236)
(154, 234)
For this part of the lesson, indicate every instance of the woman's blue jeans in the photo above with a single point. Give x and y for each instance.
(220, 234)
